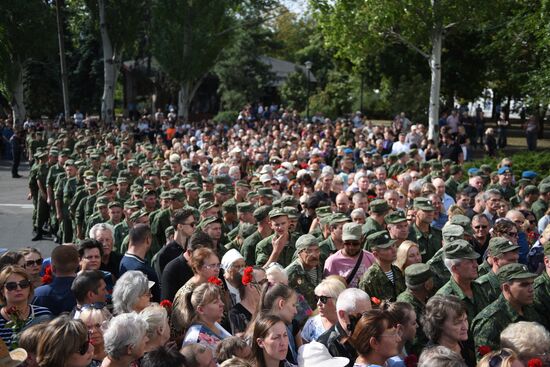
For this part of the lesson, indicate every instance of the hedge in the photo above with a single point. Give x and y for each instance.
(522, 161)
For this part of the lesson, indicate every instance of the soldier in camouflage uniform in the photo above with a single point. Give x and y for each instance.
(248, 248)
(542, 289)
(375, 222)
(422, 233)
(461, 260)
(305, 273)
(419, 282)
(451, 185)
(161, 221)
(65, 191)
(383, 279)
(279, 247)
(513, 305)
(540, 206)
(52, 181)
(441, 275)
(502, 252)
(244, 214)
(504, 184)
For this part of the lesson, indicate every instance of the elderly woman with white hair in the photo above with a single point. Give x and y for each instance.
(110, 260)
(326, 293)
(158, 329)
(520, 337)
(125, 340)
(132, 292)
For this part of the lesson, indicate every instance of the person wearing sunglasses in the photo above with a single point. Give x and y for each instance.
(95, 316)
(64, 343)
(326, 294)
(500, 358)
(15, 295)
(33, 263)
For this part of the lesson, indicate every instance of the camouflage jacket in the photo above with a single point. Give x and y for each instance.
(376, 283)
(490, 285)
(428, 243)
(301, 281)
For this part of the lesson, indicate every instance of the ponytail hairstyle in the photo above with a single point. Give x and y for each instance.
(202, 295)
(372, 324)
(398, 311)
(268, 298)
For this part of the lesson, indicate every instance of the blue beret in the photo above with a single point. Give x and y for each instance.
(473, 171)
(503, 170)
(528, 175)
(348, 151)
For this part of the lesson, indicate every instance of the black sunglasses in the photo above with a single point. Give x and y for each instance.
(37, 262)
(323, 299)
(478, 227)
(94, 306)
(11, 286)
(496, 360)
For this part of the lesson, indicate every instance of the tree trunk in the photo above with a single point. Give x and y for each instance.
(435, 87)
(17, 101)
(109, 68)
(185, 97)
(59, 6)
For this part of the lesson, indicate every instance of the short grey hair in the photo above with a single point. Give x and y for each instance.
(492, 192)
(449, 263)
(156, 317)
(125, 330)
(416, 186)
(440, 356)
(359, 212)
(100, 227)
(128, 288)
(348, 299)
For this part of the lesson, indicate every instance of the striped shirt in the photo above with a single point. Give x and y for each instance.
(37, 315)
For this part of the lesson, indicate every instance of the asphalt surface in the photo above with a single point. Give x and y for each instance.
(16, 212)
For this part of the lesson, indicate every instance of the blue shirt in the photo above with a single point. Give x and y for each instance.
(133, 262)
(56, 296)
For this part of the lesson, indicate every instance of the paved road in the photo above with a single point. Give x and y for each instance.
(16, 212)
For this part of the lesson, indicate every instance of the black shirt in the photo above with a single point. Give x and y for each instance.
(176, 273)
(165, 255)
(113, 265)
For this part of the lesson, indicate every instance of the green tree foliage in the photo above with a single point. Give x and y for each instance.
(25, 36)
(294, 91)
(243, 77)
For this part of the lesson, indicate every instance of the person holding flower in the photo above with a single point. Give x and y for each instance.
(17, 314)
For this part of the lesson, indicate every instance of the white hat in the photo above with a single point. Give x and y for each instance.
(315, 354)
(13, 358)
(264, 178)
(230, 257)
(174, 158)
(266, 169)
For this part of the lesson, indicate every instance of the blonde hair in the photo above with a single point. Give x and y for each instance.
(62, 337)
(331, 286)
(9, 271)
(156, 318)
(403, 253)
(455, 210)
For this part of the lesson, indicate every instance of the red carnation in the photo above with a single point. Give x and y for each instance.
(411, 360)
(47, 278)
(215, 281)
(375, 300)
(248, 275)
(483, 349)
(534, 362)
(166, 304)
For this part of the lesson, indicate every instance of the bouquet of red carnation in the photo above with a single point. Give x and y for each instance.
(47, 278)
(483, 349)
(215, 281)
(16, 323)
(411, 360)
(534, 362)
(376, 301)
(167, 305)
(248, 275)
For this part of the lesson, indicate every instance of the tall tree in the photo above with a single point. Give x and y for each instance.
(25, 27)
(358, 28)
(120, 23)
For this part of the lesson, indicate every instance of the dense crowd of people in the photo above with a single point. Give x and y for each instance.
(272, 241)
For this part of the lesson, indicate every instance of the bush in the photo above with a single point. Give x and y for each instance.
(226, 116)
(522, 161)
